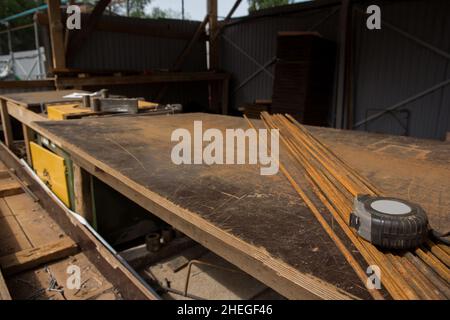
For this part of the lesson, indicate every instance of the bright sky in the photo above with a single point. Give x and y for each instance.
(196, 9)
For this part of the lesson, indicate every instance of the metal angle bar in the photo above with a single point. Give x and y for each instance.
(411, 37)
(320, 22)
(36, 42)
(247, 55)
(254, 74)
(402, 103)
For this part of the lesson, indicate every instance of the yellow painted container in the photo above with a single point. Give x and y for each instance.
(51, 169)
(62, 111)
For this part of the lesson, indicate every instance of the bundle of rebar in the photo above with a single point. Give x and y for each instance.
(422, 273)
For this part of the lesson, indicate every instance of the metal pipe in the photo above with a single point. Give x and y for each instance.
(11, 53)
(36, 41)
(182, 9)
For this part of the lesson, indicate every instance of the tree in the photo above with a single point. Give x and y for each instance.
(254, 5)
(158, 13)
(137, 9)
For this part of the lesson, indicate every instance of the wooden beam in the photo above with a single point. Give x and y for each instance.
(83, 193)
(27, 137)
(26, 84)
(4, 293)
(112, 268)
(187, 50)
(31, 258)
(56, 34)
(184, 54)
(80, 36)
(227, 18)
(6, 124)
(153, 78)
(24, 115)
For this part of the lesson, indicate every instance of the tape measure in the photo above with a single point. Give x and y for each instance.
(389, 222)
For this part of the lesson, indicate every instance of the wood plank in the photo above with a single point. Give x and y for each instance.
(4, 292)
(10, 187)
(12, 236)
(6, 124)
(33, 257)
(33, 220)
(35, 99)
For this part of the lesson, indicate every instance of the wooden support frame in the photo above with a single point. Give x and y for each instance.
(227, 18)
(185, 53)
(56, 34)
(153, 78)
(114, 270)
(213, 25)
(83, 193)
(28, 136)
(6, 124)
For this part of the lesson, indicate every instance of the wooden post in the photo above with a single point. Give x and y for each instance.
(6, 124)
(83, 193)
(213, 48)
(225, 86)
(56, 34)
(27, 137)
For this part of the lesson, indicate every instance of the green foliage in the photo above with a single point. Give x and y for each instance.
(158, 13)
(254, 5)
(22, 39)
(11, 7)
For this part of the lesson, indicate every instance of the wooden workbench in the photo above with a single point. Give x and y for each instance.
(256, 222)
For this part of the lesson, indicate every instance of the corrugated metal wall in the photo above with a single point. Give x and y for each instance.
(106, 50)
(387, 67)
(148, 45)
